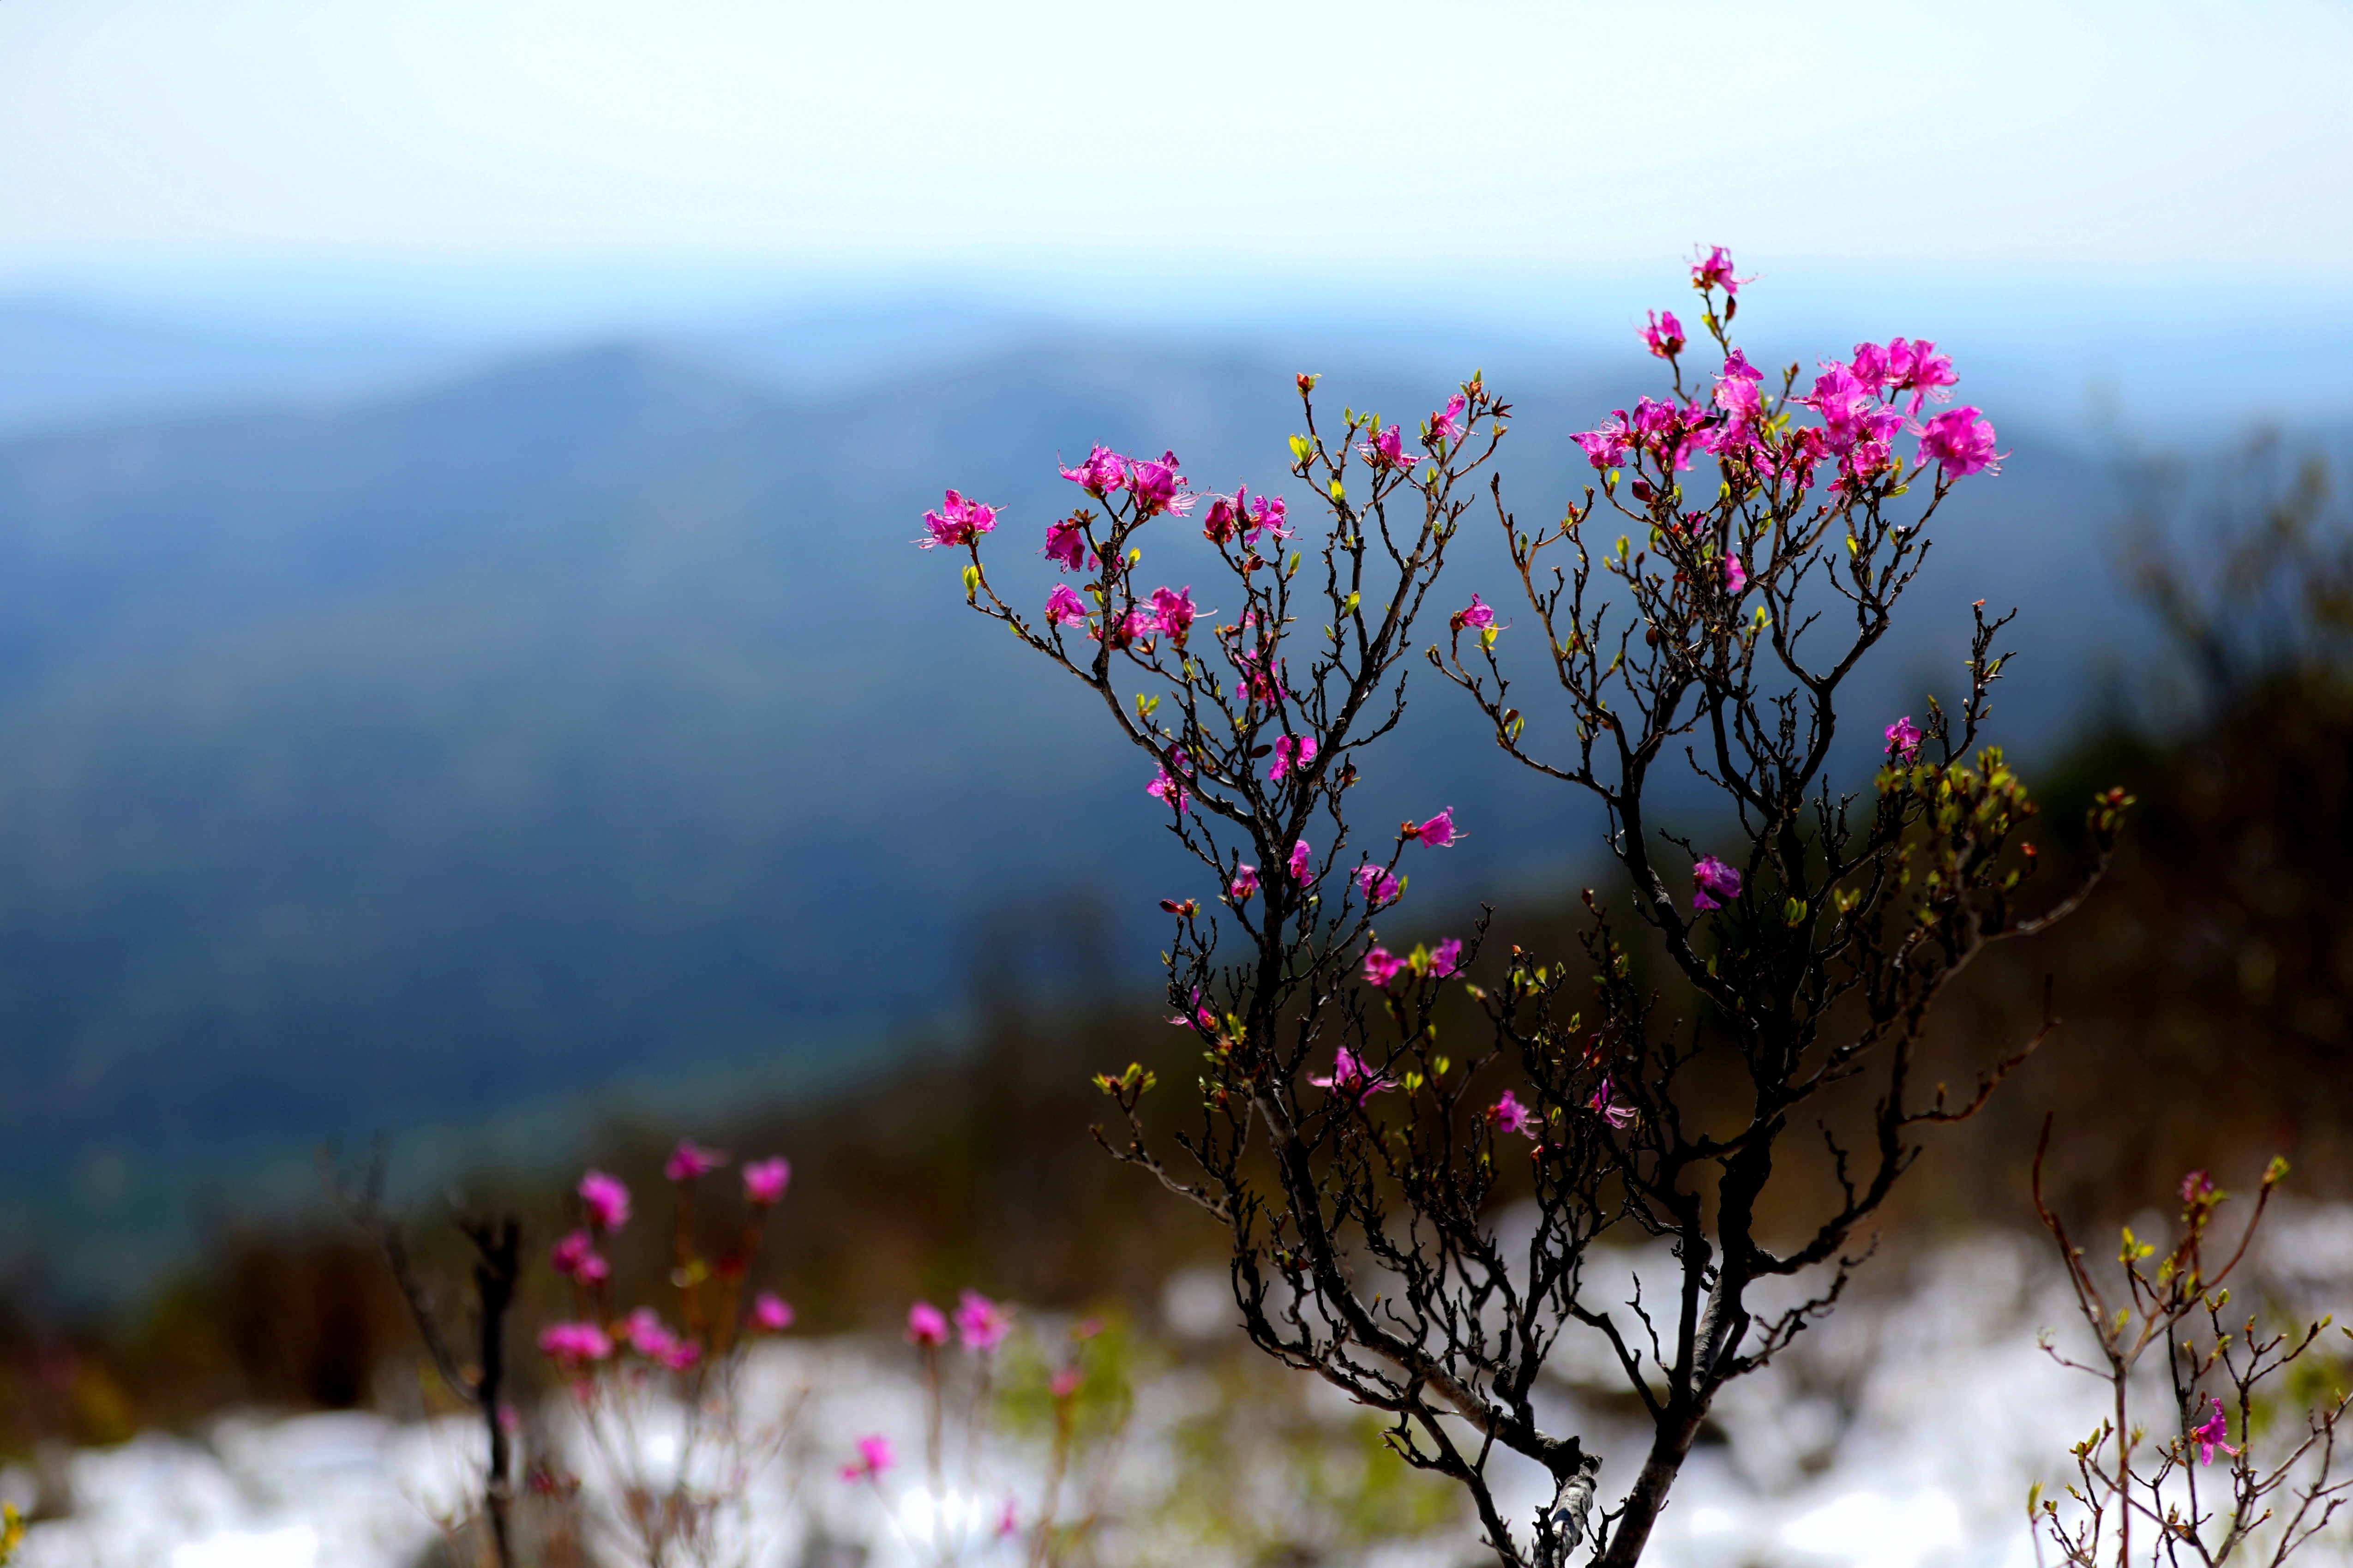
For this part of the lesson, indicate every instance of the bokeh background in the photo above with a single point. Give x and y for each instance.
(463, 674)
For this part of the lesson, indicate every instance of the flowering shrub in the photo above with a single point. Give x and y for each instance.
(1356, 1162)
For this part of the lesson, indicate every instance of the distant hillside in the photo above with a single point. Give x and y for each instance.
(592, 724)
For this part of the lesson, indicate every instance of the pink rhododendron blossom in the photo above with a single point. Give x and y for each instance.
(576, 1259)
(1064, 608)
(1446, 958)
(957, 521)
(926, 1325)
(1961, 441)
(981, 1323)
(764, 1181)
(1222, 521)
(573, 1345)
(1066, 543)
(1266, 517)
(1714, 884)
(1290, 753)
(1172, 609)
(1301, 854)
(687, 1161)
(1387, 450)
(1448, 426)
(1669, 434)
(1917, 367)
(1349, 1077)
(1603, 1103)
(1478, 617)
(1168, 790)
(1382, 967)
(1201, 1017)
(1381, 887)
(1664, 334)
(606, 1200)
(1607, 446)
(1714, 271)
(1244, 884)
(1511, 1116)
(644, 1332)
(874, 1456)
(1100, 474)
(1157, 487)
(1736, 575)
(1903, 738)
(2212, 1433)
(771, 1313)
(1438, 832)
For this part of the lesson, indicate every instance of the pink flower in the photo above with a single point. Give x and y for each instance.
(1511, 1116)
(1066, 542)
(1736, 575)
(573, 1346)
(575, 1258)
(2196, 1186)
(1438, 832)
(1301, 854)
(1869, 365)
(1244, 884)
(1289, 754)
(1714, 884)
(1173, 608)
(1171, 792)
(1066, 1382)
(1266, 517)
(1664, 334)
(1381, 887)
(687, 1161)
(1446, 958)
(1917, 367)
(1903, 738)
(1202, 1019)
(1382, 967)
(1223, 519)
(1349, 1077)
(645, 1331)
(605, 1200)
(981, 1323)
(1387, 450)
(1603, 1103)
(771, 1314)
(1478, 617)
(926, 1325)
(1607, 446)
(2212, 1434)
(1961, 441)
(764, 1181)
(1064, 608)
(1714, 271)
(1008, 1518)
(874, 1456)
(958, 522)
(1100, 474)
(1448, 426)
(1157, 487)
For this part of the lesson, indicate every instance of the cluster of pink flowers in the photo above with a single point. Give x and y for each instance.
(1714, 884)
(576, 1259)
(1289, 754)
(981, 1324)
(1384, 968)
(959, 521)
(1242, 515)
(644, 1332)
(575, 1346)
(1154, 485)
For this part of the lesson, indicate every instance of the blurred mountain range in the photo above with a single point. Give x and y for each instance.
(584, 731)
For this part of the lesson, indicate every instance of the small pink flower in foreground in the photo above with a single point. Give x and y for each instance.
(1157, 487)
(1714, 271)
(1349, 1077)
(645, 1330)
(1714, 884)
(874, 1456)
(1478, 618)
(1244, 884)
(1101, 473)
(926, 1325)
(2212, 1434)
(1172, 609)
(1301, 854)
(1448, 426)
(1066, 1382)
(1511, 1116)
(1446, 958)
(1917, 367)
(1903, 738)
(1603, 1103)
(958, 521)
(1664, 334)
(1736, 575)
(1064, 608)
(1290, 754)
(575, 1257)
(1961, 441)
(764, 1181)
(1008, 1520)
(689, 1160)
(1607, 447)
(771, 1313)
(1381, 887)
(1438, 832)
(573, 1345)
(1267, 516)
(1066, 543)
(1167, 790)
(1387, 450)
(981, 1323)
(606, 1200)
(1202, 1018)
(2196, 1186)
(1382, 967)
